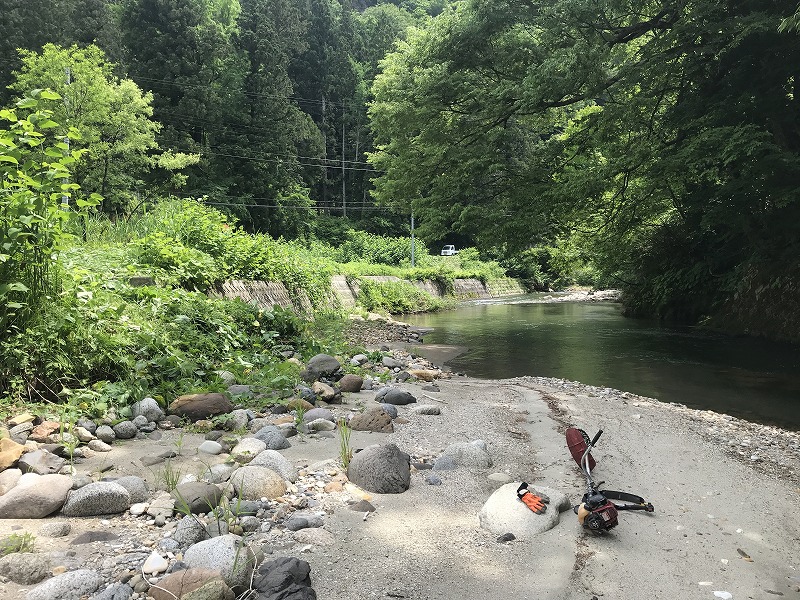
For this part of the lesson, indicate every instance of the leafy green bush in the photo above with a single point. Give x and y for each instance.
(378, 249)
(34, 224)
(190, 268)
(106, 347)
(395, 297)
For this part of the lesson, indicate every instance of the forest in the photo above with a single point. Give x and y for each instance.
(649, 146)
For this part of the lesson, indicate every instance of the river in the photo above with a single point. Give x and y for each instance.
(591, 342)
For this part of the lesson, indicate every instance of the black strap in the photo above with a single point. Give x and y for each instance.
(637, 502)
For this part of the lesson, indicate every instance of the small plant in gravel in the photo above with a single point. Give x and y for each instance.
(169, 476)
(299, 413)
(17, 542)
(345, 451)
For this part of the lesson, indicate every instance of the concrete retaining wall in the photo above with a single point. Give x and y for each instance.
(266, 294)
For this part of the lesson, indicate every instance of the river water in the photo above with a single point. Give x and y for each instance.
(594, 344)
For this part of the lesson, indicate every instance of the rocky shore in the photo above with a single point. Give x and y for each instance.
(224, 498)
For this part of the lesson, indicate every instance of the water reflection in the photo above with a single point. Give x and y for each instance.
(594, 344)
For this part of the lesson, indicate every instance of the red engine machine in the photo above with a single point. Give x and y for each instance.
(596, 512)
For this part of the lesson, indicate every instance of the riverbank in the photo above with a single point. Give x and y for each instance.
(724, 522)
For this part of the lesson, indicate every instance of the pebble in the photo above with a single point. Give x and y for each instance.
(155, 564)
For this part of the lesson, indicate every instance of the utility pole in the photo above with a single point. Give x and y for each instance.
(344, 200)
(325, 160)
(412, 238)
(67, 81)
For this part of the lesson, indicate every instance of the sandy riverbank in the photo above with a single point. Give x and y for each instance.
(724, 522)
(713, 510)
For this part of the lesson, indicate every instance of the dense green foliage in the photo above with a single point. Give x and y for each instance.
(98, 342)
(663, 139)
(35, 217)
(396, 297)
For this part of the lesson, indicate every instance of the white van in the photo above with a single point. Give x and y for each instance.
(449, 250)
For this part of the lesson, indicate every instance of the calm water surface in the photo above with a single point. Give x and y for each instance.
(594, 344)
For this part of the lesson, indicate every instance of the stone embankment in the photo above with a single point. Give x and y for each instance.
(345, 291)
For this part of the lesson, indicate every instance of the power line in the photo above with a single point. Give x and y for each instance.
(315, 207)
(275, 161)
(251, 94)
(190, 118)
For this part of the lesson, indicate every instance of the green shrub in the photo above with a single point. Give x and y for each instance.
(395, 297)
(190, 268)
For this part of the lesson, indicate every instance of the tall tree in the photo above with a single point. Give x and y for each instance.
(28, 25)
(272, 129)
(112, 116)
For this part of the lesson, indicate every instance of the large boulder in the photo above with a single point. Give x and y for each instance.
(72, 584)
(373, 419)
(254, 483)
(395, 396)
(98, 498)
(381, 469)
(321, 365)
(35, 496)
(284, 579)
(227, 553)
(196, 407)
(504, 512)
(471, 455)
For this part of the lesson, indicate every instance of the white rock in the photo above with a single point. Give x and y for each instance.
(139, 508)
(155, 564)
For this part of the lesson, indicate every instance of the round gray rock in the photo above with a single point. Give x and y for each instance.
(26, 568)
(35, 496)
(319, 425)
(503, 512)
(398, 397)
(105, 434)
(125, 430)
(247, 448)
(72, 584)
(116, 591)
(272, 459)
(210, 447)
(471, 455)
(323, 364)
(189, 531)
(381, 469)
(318, 413)
(148, 408)
(197, 496)
(136, 486)
(228, 554)
(254, 483)
(99, 498)
(390, 409)
(219, 473)
(55, 529)
(273, 438)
